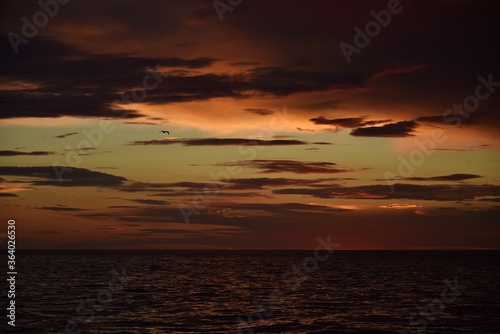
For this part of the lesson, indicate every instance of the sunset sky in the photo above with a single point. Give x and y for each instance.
(275, 139)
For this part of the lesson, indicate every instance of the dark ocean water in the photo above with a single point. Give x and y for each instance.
(245, 291)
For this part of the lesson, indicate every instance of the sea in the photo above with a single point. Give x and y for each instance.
(124, 291)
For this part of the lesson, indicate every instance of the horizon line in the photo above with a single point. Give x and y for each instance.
(257, 250)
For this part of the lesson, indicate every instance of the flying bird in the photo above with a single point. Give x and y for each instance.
(165, 131)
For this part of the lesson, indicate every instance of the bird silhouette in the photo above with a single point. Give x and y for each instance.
(165, 131)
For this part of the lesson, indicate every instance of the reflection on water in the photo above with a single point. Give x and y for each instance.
(207, 291)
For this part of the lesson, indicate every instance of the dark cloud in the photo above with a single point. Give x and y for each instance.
(72, 82)
(351, 122)
(221, 142)
(289, 166)
(400, 70)
(480, 117)
(492, 199)
(8, 153)
(145, 186)
(197, 191)
(452, 119)
(263, 182)
(60, 208)
(66, 135)
(277, 81)
(260, 112)
(192, 188)
(401, 191)
(451, 177)
(375, 122)
(342, 122)
(454, 149)
(278, 209)
(432, 119)
(7, 195)
(305, 130)
(142, 123)
(149, 201)
(140, 214)
(399, 129)
(228, 213)
(72, 177)
(269, 81)
(399, 56)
